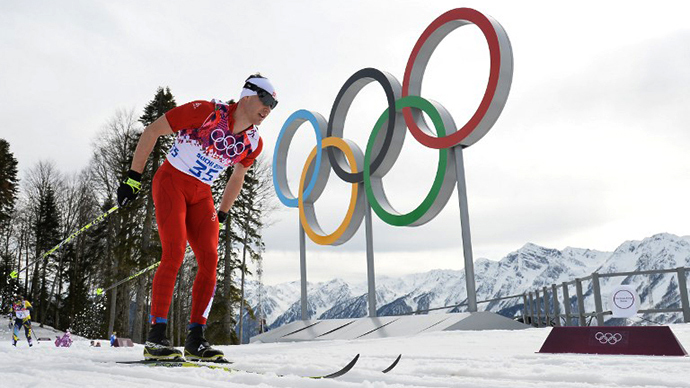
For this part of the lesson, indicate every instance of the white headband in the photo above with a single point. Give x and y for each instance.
(263, 83)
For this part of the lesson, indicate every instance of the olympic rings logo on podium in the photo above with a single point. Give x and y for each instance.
(608, 338)
(365, 171)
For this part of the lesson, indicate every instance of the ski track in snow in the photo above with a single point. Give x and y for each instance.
(443, 359)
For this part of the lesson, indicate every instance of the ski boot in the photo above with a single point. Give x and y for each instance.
(158, 347)
(196, 348)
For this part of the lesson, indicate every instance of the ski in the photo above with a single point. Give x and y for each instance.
(341, 372)
(225, 367)
(181, 364)
(390, 368)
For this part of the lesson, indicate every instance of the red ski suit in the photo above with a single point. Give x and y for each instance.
(205, 146)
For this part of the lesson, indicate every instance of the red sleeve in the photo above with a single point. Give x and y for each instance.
(249, 159)
(189, 115)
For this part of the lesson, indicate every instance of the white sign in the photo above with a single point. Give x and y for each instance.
(624, 302)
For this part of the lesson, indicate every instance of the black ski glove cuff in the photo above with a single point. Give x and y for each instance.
(222, 216)
(129, 188)
(134, 175)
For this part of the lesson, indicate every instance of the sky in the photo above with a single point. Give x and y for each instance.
(590, 150)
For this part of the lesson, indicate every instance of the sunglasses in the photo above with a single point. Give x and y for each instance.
(265, 97)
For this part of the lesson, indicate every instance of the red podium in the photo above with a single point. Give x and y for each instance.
(633, 340)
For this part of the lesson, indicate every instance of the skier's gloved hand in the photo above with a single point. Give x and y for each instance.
(222, 216)
(129, 188)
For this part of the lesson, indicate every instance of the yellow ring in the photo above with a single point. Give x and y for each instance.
(333, 237)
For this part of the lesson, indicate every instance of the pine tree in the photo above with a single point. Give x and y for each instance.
(9, 184)
(9, 188)
(162, 102)
(221, 318)
(248, 220)
(47, 234)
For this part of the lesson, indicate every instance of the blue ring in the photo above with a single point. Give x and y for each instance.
(303, 115)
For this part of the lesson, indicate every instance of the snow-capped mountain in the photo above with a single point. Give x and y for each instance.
(527, 269)
(661, 251)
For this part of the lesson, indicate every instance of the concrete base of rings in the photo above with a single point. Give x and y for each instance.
(381, 327)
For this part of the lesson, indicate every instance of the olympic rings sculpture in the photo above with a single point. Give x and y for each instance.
(365, 171)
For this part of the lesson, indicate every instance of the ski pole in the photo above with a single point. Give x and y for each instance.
(98, 219)
(101, 291)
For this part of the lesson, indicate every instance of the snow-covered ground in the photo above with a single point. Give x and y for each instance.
(442, 359)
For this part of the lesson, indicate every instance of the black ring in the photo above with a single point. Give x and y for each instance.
(348, 92)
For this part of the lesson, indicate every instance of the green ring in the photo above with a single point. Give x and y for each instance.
(419, 211)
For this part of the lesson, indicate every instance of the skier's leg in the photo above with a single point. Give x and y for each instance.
(15, 333)
(170, 205)
(202, 232)
(27, 331)
(170, 195)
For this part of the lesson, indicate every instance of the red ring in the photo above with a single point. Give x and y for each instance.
(489, 32)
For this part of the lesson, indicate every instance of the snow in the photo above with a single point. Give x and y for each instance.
(442, 359)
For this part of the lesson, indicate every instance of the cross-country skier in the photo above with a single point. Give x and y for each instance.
(211, 136)
(21, 312)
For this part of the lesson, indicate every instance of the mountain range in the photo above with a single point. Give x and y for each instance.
(527, 269)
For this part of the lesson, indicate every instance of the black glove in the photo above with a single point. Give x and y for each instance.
(129, 188)
(222, 216)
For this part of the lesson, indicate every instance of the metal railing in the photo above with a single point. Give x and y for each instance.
(553, 314)
(537, 301)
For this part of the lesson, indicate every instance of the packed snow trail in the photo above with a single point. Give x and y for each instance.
(442, 359)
